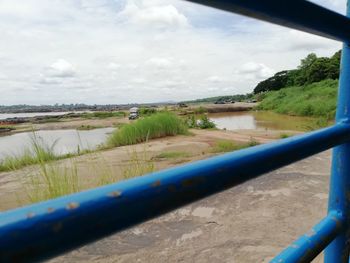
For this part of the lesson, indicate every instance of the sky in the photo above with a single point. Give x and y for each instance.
(138, 51)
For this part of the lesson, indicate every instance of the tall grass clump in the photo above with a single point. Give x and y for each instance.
(155, 126)
(316, 99)
(138, 164)
(52, 181)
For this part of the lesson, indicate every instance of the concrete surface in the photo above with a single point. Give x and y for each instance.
(248, 223)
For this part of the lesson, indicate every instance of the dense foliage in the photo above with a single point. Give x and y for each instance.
(316, 99)
(311, 69)
(234, 98)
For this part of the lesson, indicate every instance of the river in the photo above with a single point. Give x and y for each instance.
(260, 121)
(67, 141)
(4, 116)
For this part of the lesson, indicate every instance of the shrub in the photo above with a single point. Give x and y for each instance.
(147, 111)
(155, 126)
(203, 122)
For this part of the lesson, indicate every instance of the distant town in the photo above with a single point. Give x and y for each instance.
(73, 107)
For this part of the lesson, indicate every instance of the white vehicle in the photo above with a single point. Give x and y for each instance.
(134, 113)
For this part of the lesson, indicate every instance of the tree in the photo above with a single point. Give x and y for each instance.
(308, 61)
(276, 82)
(311, 69)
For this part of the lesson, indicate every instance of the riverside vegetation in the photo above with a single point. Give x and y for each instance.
(51, 179)
(308, 90)
(303, 97)
(151, 127)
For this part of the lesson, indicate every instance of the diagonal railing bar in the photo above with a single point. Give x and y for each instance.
(298, 14)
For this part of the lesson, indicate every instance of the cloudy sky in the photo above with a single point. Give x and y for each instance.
(124, 51)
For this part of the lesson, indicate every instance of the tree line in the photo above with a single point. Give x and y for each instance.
(311, 69)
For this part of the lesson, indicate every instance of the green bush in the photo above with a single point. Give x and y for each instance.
(202, 122)
(155, 126)
(147, 111)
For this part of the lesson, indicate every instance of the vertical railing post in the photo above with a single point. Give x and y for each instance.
(339, 192)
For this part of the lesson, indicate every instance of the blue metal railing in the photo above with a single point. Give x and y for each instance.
(47, 229)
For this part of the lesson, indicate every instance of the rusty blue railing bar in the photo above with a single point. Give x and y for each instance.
(54, 227)
(298, 14)
(50, 228)
(339, 190)
(308, 246)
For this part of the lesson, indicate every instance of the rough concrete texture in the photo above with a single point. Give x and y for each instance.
(248, 223)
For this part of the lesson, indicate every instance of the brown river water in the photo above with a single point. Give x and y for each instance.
(260, 121)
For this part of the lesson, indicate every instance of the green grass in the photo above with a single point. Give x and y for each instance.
(155, 126)
(229, 146)
(316, 99)
(52, 181)
(7, 127)
(103, 114)
(172, 155)
(55, 179)
(138, 164)
(285, 135)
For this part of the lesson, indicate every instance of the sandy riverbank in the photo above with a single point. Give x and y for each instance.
(198, 146)
(66, 122)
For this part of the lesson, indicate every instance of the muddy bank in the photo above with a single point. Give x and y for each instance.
(236, 107)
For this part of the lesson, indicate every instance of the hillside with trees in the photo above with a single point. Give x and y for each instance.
(311, 69)
(309, 90)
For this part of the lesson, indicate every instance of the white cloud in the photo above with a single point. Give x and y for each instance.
(138, 51)
(214, 79)
(255, 71)
(62, 69)
(158, 16)
(113, 65)
(160, 63)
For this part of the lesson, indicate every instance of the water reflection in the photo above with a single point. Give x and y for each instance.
(260, 121)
